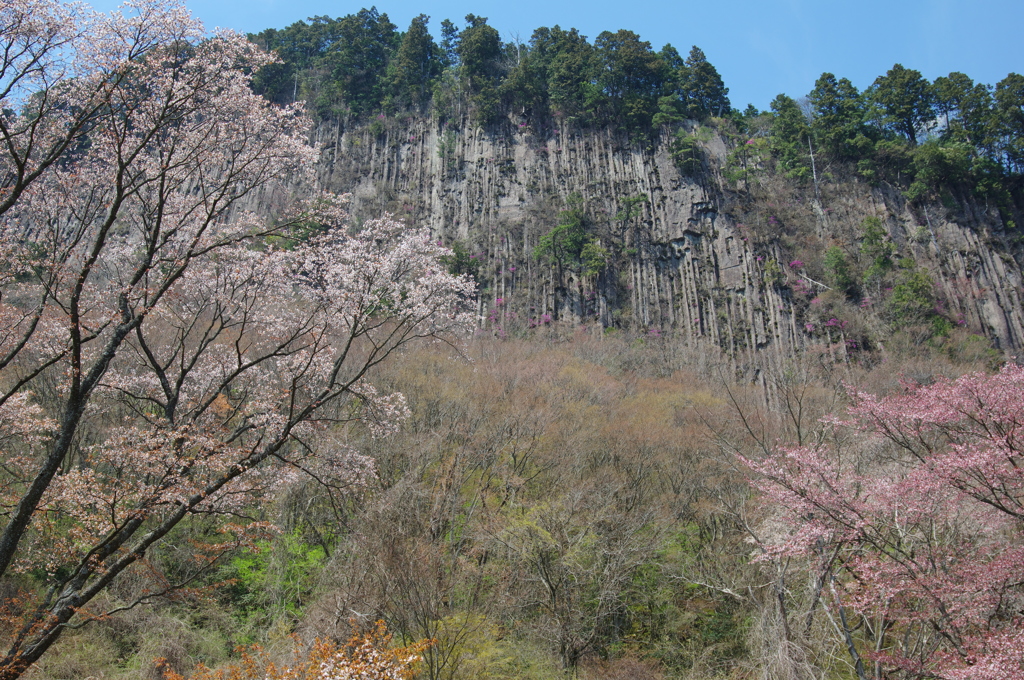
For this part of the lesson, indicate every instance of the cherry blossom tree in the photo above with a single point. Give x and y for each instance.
(165, 354)
(914, 513)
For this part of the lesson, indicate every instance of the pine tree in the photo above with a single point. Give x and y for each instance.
(1009, 95)
(632, 77)
(571, 74)
(905, 98)
(789, 137)
(358, 59)
(479, 50)
(449, 44)
(838, 116)
(703, 90)
(416, 65)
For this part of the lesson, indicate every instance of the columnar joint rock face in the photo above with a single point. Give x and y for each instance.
(682, 262)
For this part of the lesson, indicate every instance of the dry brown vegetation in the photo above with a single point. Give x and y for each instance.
(556, 504)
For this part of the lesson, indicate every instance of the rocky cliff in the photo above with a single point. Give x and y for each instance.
(702, 258)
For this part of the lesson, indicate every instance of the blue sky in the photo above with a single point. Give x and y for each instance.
(761, 48)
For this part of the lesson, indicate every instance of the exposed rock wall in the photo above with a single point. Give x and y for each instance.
(685, 263)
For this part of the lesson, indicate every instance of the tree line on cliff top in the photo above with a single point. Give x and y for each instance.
(361, 66)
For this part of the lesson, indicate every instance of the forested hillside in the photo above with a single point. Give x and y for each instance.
(339, 351)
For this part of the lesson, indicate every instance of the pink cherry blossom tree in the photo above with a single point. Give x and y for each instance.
(164, 354)
(913, 512)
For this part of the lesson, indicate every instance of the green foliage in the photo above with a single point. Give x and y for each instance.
(461, 261)
(300, 46)
(339, 65)
(525, 87)
(675, 68)
(377, 126)
(877, 250)
(936, 164)
(965, 108)
(468, 645)
(916, 191)
(446, 145)
(703, 91)
(480, 53)
(912, 301)
(571, 76)
(359, 64)
(631, 80)
(570, 243)
(790, 133)
(631, 207)
(416, 66)
(745, 160)
(1009, 97)
(686, 152)
(449, 44)
(670, 111)
(838, 120)
(773, 273)
(556, 75)
(479, 50)
(593, 258)
(486, 106)
(125, 647)
(892, 159)
(565, 243)
(905, 99)
(838, 273)
(357, 60)
(447, 96)
(275, 578)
